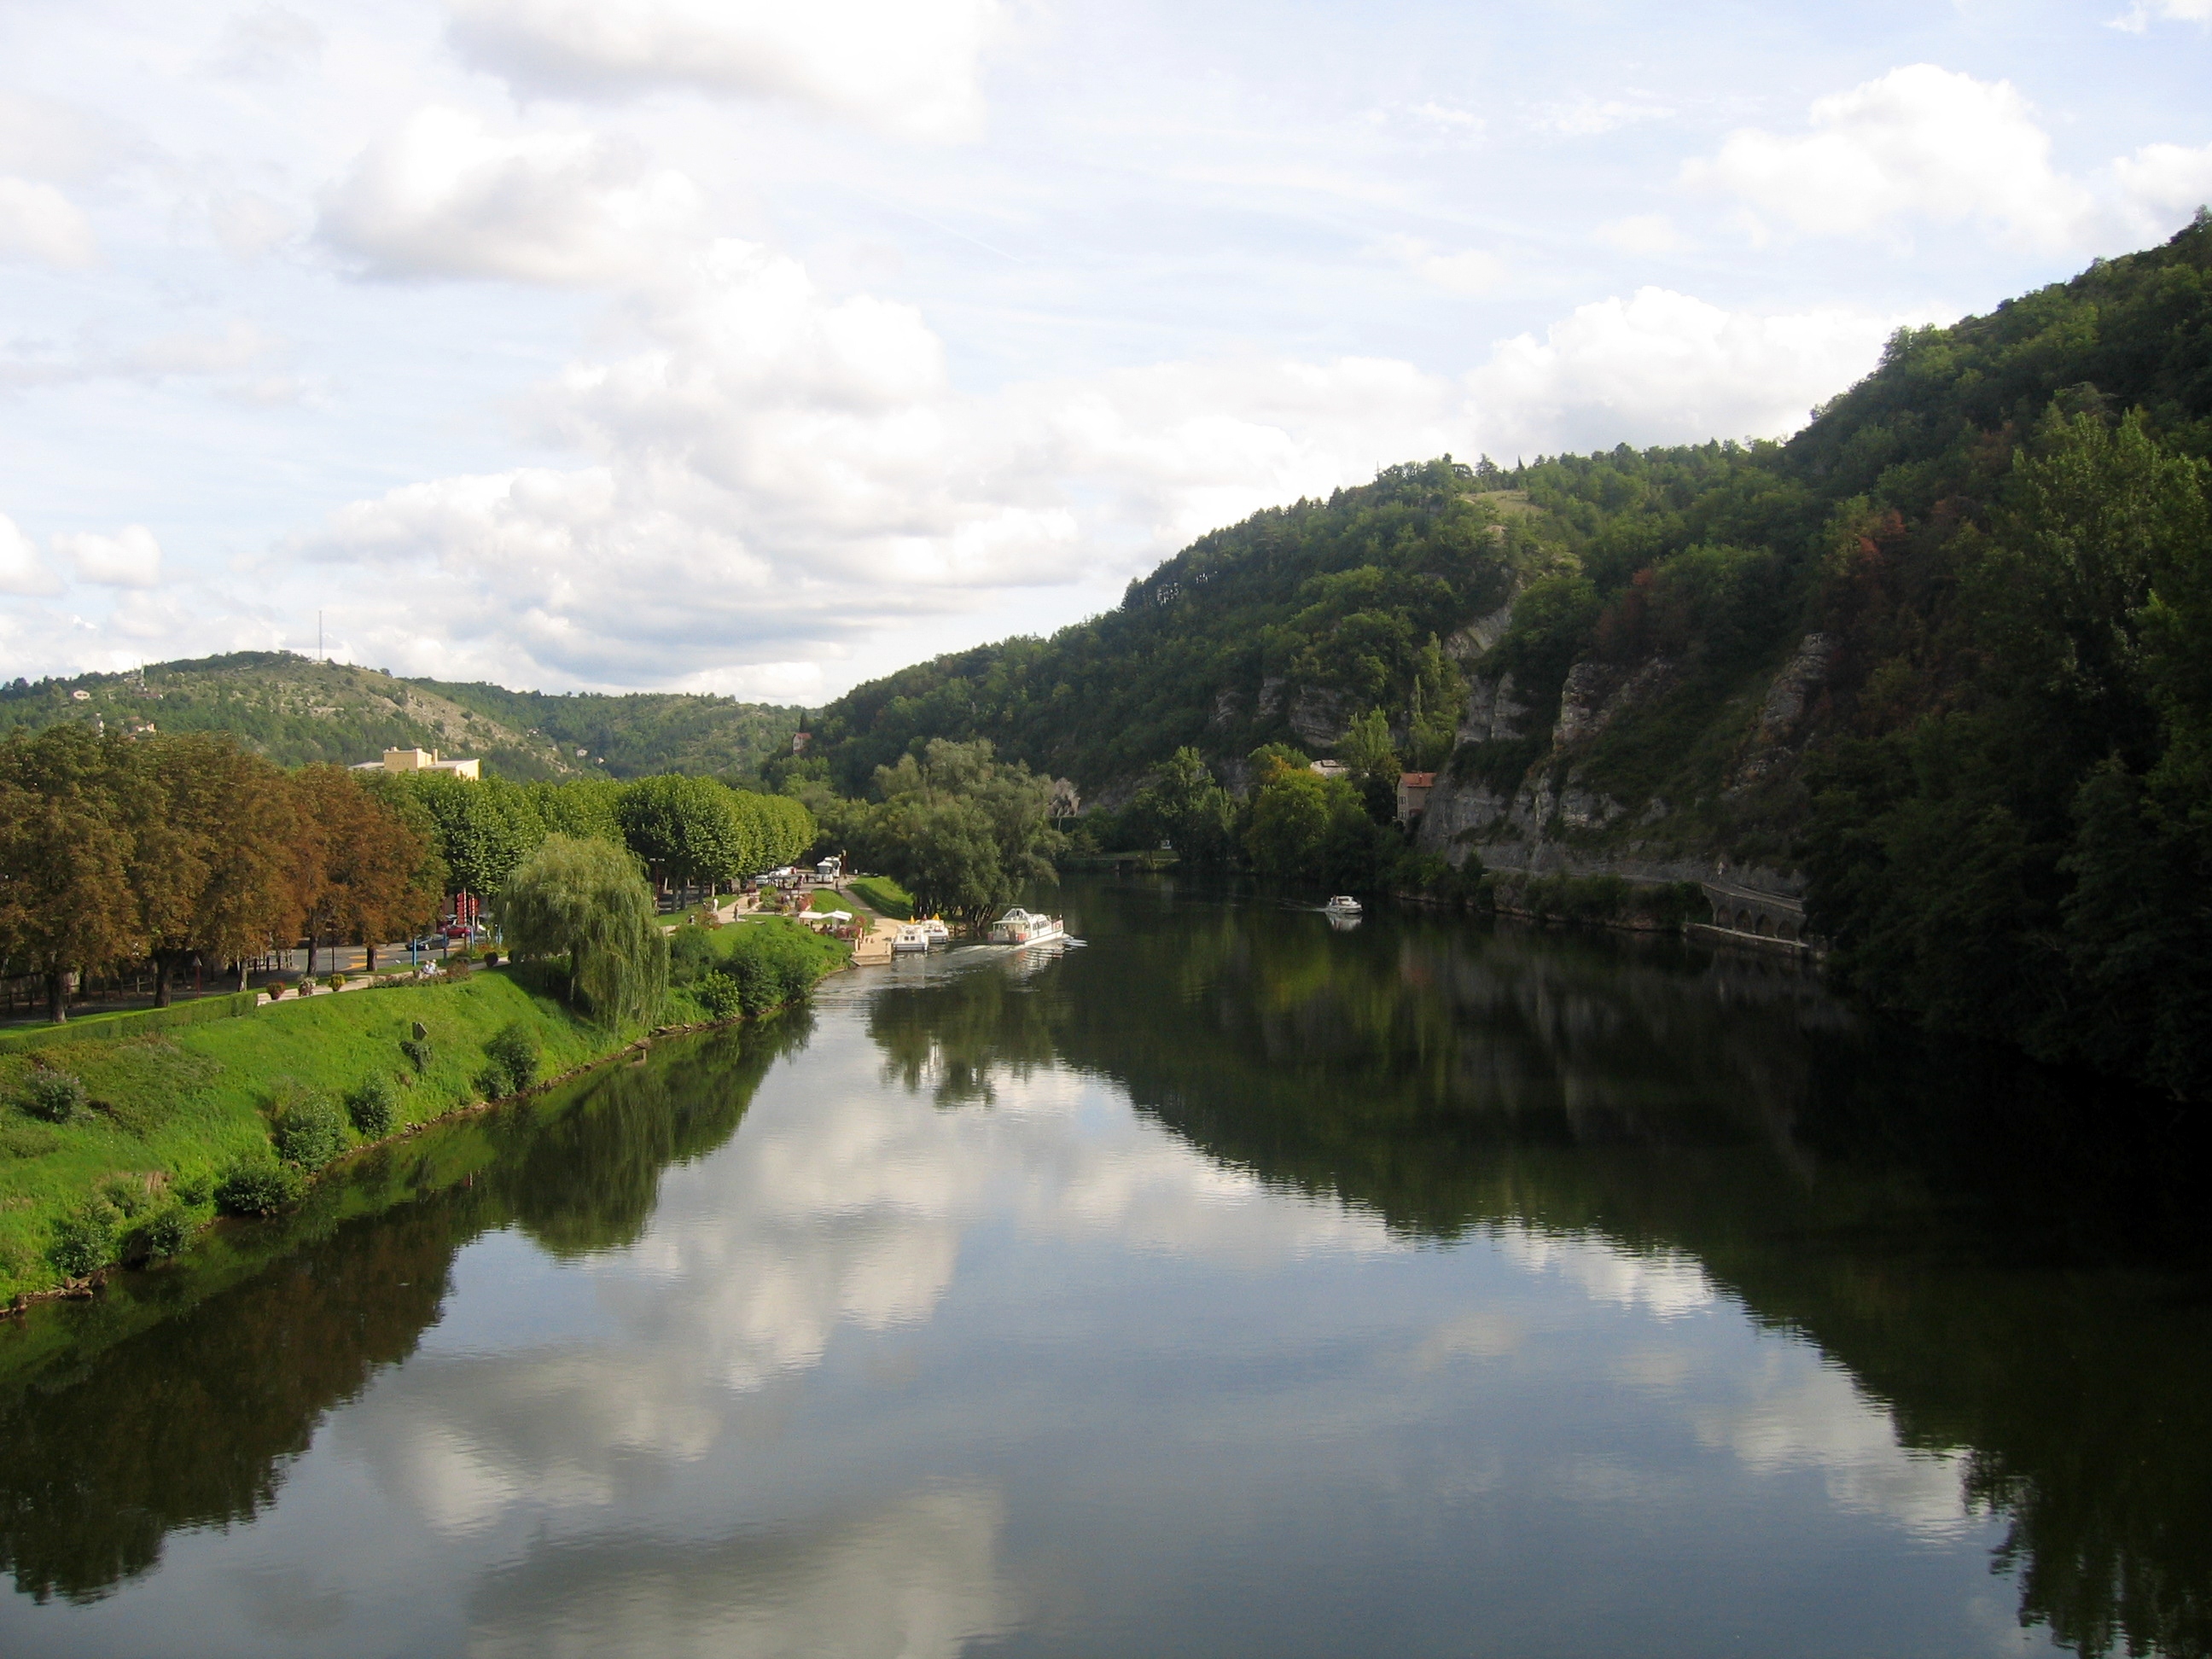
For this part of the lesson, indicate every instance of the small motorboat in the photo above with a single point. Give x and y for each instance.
(1019, 926)
(1343, 905)
(938, 932)
(912, 939)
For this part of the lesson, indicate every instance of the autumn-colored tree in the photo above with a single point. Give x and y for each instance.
(212, 867)
(66, 849)
(358, 865)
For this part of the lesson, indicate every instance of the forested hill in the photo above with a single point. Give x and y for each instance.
(1947, 654)
(294, 709)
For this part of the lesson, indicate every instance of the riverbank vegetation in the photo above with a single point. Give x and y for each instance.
(170, 852)
(962, 832)
(121, 1150)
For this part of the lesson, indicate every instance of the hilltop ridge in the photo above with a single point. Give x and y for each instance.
(295, 710)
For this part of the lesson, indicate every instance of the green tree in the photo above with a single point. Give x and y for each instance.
(584, 900)
(687, 830)
(960, 831)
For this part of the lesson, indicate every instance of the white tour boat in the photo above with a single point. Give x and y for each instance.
(911, 939)
(1343, 905)
(938, 932)
(1020, 926)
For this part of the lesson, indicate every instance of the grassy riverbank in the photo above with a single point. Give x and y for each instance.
(884, 897)
(168, 1113)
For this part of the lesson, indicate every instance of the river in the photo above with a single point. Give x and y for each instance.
(1234, 1284)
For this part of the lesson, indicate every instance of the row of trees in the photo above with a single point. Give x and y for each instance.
(176, 847)
(688, 830)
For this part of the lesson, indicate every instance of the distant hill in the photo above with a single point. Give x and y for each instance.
(295, 710)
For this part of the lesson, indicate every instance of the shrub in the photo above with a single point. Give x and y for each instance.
(126, 1196)
(374, 1107)
(258, 1186)
(55, 1095)
(419, 1051)
(310, 1134)
(335, 982)
(193, 1190)
(722, 997)
(690, 955)
(512, 1055)
(84, 1240)
(167, 1233)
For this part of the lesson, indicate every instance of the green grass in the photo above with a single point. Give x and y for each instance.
(884, 894)
(179, 1105)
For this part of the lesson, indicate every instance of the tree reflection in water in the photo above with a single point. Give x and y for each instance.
(179, 1398)
(2010, 1260)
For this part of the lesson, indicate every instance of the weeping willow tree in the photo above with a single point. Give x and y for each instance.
(586, 899)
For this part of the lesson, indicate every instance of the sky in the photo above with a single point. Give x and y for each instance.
(759, 348)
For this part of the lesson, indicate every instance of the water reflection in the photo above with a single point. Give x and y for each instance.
(1445, 1292)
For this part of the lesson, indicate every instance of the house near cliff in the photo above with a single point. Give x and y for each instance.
(1414, 795)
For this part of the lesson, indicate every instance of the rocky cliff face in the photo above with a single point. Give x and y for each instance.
(1558, 817)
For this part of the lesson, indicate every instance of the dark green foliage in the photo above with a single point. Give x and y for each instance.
(374, 1107)
(84, 1240)
(311, 1132)
(259, 1186)
(193, 1190)
(774, 965)
(640, 733)
(962, 831)
(719, 994)
(53, 1095)
(1609, 900)
(512, 1058)
(1310, 829)
(164, 1234)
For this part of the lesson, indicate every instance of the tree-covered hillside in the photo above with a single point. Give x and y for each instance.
(639, 734)
(1947, 655)
(296, 711)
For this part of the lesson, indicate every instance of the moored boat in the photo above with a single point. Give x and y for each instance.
(1020, 926)
(911, 939)
(938, 932)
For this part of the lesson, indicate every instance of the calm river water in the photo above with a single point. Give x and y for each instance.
(1234, 1285)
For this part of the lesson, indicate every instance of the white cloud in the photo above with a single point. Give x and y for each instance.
(1920, 141)
(1470, 272)
(1643, 234)
(1665, 367)
(38, 223)
(1590, 117)
(42, 139)
(129, 558)
(22, 569)
(2161, 184)
(908, 67)
(2137, 18)
(447, 195)
(267, 41)
(772, 476)
(249, 224)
